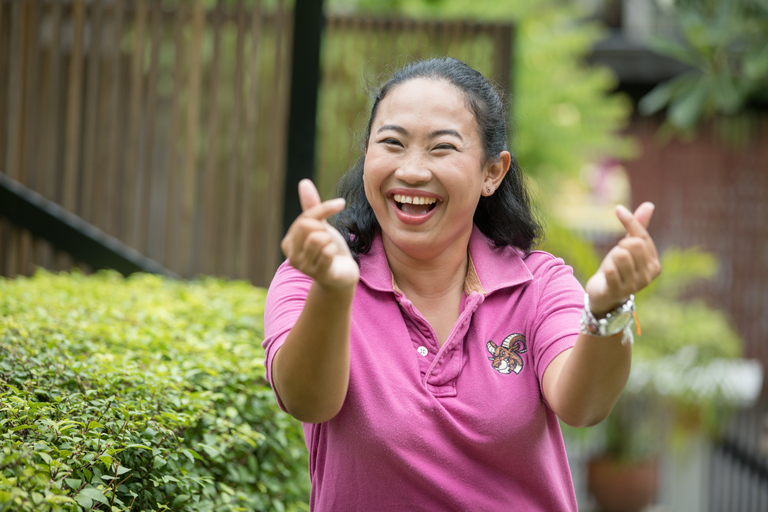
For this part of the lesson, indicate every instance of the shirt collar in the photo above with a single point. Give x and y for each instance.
(490, 268)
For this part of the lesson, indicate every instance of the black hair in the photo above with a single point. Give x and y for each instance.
(506, 217)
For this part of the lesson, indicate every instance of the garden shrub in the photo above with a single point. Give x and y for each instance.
(140, 394)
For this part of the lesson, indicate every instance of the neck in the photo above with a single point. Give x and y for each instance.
(442, 274)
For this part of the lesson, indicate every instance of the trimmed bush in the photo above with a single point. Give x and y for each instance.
(140, 394)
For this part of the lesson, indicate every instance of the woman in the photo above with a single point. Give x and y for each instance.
(428, 351)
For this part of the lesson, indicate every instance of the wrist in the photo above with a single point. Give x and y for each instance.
(610, 323)
(599, 309)
(336, 291)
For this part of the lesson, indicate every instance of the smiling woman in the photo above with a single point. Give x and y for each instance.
(422, 342)
(425, 144)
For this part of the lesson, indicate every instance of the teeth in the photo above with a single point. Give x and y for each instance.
(414, 199)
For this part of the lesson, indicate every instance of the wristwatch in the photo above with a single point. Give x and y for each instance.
(614, 322)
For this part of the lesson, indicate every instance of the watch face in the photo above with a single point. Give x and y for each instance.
(614, 324)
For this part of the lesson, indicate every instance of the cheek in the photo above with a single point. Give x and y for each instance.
(372, 178)
(368, 184)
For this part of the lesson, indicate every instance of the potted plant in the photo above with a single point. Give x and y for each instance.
(687, 373)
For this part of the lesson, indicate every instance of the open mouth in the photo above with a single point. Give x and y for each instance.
(415, 205)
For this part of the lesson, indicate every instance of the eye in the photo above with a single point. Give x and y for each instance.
(391, 141)
(445, 145)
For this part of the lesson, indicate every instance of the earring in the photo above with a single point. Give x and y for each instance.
(488, 190)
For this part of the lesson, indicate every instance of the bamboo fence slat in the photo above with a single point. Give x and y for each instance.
(5, 227)
(251, 182)
(150, 123)
(92, 104)
(115, 129)
(234, 176)
(26, 67)
(33, 249)
(174, 158)
(212, 209)
(284, 32)
(74, 99)
(52, 109)
(192, 123)
(15, 90)
(28, 148)
(106, 56)
(4, 64)
(132, 157)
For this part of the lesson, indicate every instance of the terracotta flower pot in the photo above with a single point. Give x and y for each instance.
(620, 486)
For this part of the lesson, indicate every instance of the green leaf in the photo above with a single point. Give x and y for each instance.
(84, 501)
(22, 427)
(192, 454)
(756, 63)
(180, 500)
(94, 424)
(58, 499)
(73, 483)
(94, 494)
(210, 450)
(139, 446)
(662, 94)
(686, 110)
(675, 50)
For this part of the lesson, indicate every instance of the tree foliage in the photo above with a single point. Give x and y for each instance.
(726, 44)
(140, 394)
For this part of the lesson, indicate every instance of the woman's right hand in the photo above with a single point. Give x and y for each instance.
(316, 248)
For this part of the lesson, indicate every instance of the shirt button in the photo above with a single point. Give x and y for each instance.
(423, 351)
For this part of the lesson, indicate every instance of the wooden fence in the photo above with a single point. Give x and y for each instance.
(360, 52)
(163, 123)
(738, 470)
(162, 127)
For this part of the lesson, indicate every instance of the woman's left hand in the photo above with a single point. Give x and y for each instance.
(629, 267)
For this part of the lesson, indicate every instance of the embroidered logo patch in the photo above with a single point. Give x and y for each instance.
(505, 358)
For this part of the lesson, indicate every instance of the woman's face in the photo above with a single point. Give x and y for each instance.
(424, 170)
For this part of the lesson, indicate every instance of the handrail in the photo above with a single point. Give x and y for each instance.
(68, 232)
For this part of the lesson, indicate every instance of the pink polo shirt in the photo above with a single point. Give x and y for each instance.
(458, 427)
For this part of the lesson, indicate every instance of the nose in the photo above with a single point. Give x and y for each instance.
(413, 170)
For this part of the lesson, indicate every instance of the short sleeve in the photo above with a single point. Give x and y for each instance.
(286, 297)
(559, 301)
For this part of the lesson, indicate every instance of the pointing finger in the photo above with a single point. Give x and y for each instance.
(308, 195)
(636, 224)
(644, 212)
(325, 209)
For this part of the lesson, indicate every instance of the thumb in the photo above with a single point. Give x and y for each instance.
(643, 213)
(309, 197)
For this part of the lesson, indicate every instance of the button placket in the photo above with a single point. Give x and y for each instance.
(446, 352)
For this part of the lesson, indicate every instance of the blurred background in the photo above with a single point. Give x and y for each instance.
(168, 136)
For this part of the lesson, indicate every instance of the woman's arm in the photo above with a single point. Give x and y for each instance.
(310, 371)
(582, 384)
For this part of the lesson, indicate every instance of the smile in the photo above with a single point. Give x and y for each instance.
(399, 198)
(412, 209)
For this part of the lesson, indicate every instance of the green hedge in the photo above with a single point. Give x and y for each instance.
(140, 394)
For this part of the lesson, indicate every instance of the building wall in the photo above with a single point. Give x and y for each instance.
(712, 192)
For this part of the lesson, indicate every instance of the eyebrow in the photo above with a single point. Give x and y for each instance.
(436, 133)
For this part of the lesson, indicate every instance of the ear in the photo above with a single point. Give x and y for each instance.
(495, 172)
